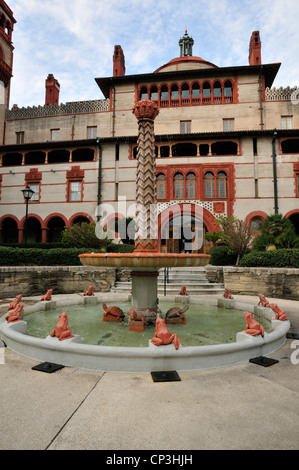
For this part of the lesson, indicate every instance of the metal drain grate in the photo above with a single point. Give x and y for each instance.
(166, 376)
(292, 335)
(47, 367)
(263, 361)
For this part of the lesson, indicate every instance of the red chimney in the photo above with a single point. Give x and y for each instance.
(118, 62)
(52, 90)
(255, 46)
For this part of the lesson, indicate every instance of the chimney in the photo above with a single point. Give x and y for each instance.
(255, 46)
(119, 68)
(52, 90)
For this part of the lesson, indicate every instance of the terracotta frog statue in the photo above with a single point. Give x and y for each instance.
(89, 292)
(13, 305)
(252, 326)
(279, 314)
(62, 330)
(227, 294)
(14, 314)
(47, 296)
(163, 336)
(183, 291)
(263, 301)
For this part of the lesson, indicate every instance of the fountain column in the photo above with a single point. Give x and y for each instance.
(144, 282)
(146, 199)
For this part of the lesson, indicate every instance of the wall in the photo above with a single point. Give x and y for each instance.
(34, 281)
(272, 282)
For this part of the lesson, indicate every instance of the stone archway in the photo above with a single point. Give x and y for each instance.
(182, 228)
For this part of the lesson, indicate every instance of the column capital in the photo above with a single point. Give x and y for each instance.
(146, 110)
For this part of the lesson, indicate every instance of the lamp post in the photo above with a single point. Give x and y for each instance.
(27, 193)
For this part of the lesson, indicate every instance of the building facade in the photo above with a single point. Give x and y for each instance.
(226, 142)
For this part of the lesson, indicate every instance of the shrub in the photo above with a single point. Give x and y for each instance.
(121, 248)
(42, 257)
(276, 231)
(276, 258)
(83, 235)
(222, 256)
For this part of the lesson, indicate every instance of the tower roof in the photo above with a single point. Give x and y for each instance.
(186, 61)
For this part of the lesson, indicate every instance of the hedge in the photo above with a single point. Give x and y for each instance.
(284, 258)
(222, 256)
(42, 257)
(18, 256)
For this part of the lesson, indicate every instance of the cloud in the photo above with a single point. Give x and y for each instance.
(76, 43)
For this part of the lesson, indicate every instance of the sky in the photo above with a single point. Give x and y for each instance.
(74, 40)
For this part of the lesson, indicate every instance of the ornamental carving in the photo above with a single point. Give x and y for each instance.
(75, 173)
(219, 208)
(33, 175)
(146, 109)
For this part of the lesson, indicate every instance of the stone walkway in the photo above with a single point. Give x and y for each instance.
(242, 407)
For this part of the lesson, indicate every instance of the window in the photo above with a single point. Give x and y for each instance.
(35, 195)
(161, 186)
(174, 93)
(217, 93)
(228, 92)
(75, 191)
(228, 125)
(286, 122)
(178, 186)
(143, 93)
(209, 185)
(191, 186)
(92, 132)
(185, 127)
(221, 184)
(154, 93)
(20, 137)
(55, 134)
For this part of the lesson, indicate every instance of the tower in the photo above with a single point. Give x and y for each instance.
(52, 90)
(119, 68)
(255, 46)
(186, 43)
(7, 22)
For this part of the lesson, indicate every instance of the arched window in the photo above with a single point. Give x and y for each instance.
(221, 184)
(209, 185)
(161, 186)
(217, 93)
(185, 94)
(191, 186)
(174, 94)
(178, 186)
(164, 93)
(154, 93)
(144, 93)
(228, 92)
(206, 93)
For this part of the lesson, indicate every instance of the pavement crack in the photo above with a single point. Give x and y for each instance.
(75, 411)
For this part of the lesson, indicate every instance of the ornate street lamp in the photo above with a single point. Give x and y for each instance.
(27, 193)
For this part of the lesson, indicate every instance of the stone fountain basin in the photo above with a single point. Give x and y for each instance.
(144, 261)
(72, 353)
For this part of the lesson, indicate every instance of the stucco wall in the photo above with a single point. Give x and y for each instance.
(31, 280)
(272, 282)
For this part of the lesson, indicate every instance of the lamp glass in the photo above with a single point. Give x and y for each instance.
(27, 193)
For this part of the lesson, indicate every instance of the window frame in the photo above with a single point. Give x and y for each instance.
(79, 191)
(285, 120)
(92, 132)
(230, 122)
(54, 135)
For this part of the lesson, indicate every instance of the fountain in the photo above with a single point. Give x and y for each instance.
(145, 261)
(165, 351)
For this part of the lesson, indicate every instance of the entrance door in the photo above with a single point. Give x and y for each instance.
(185, 236)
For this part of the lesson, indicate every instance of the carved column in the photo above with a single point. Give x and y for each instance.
(146, 200)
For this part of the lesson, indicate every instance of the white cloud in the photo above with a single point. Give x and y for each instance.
(75, 40)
